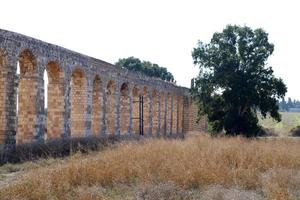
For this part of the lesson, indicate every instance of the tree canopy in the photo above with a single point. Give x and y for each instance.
(235, 81)
(145, 67)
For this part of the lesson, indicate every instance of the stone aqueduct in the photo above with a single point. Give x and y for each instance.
(86, 96)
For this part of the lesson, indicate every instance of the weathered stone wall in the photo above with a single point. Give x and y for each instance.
(85, 96)
(124, 109)
(155, 116)
(55, 107)
(3, 80)
(192, 118)
(135, 110)
(78, 103)
(163, 113)
(180, 114)
(97, 106)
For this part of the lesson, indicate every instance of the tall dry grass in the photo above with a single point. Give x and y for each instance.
(272, 167)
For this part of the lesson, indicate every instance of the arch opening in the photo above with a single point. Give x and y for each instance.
(27, 97)
(97, 106)
(169, 114)
(3, 73)
(163, 113)
(78, 102)
(54, 100)
(111, 107)
(174, 115)
(155, 112)
(135, 110)
(180, 114)
(146, 112)
(124, 108)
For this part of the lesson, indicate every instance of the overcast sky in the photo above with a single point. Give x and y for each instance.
(160, 31)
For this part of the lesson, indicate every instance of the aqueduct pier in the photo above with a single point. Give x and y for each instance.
(86, 96)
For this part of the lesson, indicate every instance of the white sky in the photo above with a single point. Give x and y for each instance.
(160, 31)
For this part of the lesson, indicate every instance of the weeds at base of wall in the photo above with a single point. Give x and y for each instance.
(53, 148)
(62, 147)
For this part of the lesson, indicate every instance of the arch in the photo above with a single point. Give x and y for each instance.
(3, 59)
(28, 63)
(174, 114)
(111, 107)
(155, 112)
(146, 110)
(180, 114)
(3, 72)
(27, 96)
(135, 109)
(124, 108)
(78, 102)
(97, 106)
(55, 100)
(169, 114)
(162, 113)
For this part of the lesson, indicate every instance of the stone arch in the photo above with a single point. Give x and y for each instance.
(111, 107)
(146, 110)
(3, 80)
(180, 114)
(27, 96)
(135, 109)
(162, 113)
(155, 112)
(124, 108)
(174, 114)
(169, 113)
(78, 102)
(97, 106)
(55, 96)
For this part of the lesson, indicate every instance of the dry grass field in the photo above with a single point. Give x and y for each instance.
(199, 167)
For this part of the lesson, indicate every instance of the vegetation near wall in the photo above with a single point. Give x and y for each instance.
(145, 67)
(270, 168)
(235, 82)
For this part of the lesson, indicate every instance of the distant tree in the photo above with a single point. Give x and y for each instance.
(297, 103)
(286, 106)
(131, 63)
(145, 67)
(234, 83)
(290, 103)
(283, 105)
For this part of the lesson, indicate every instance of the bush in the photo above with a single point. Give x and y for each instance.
(295, 132)
(267, 132)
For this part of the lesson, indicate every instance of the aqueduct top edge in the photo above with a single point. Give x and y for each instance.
(15, 42)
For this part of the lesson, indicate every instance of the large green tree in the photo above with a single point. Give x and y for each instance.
(235, 82)
(145, 67)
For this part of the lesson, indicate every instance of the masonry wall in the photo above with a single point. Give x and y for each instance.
(124, 109)
(163, 113)
(97, 103)
(55, 107)
(3, 66)
(193, 125)
(155, 114)
(180, 114)
(86, 96)
(78, 103)
(135, 110)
